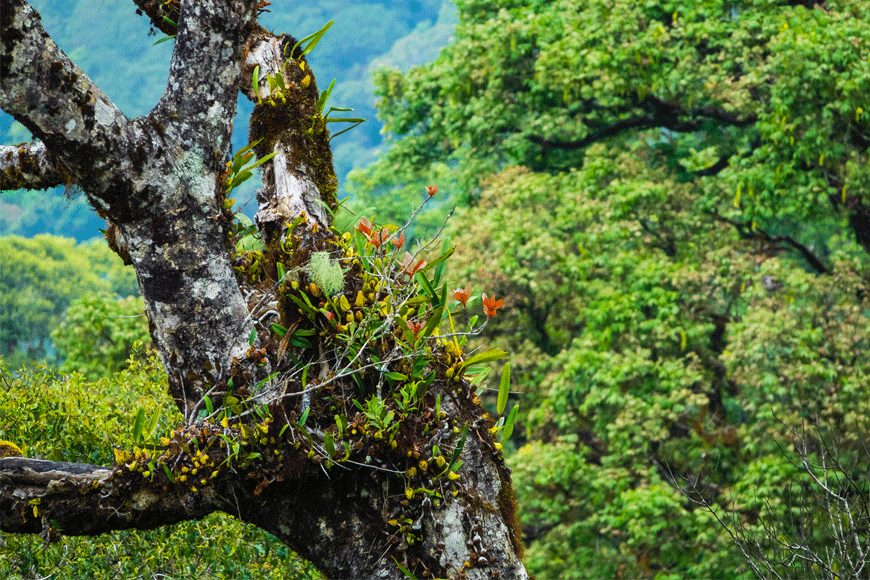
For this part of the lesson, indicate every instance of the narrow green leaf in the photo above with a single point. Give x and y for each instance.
(255, 80)
(509, 424)
(138, 424)
(252, 336)
(404, 570)
(440, 260)
(396, 376)
(208, 405)
(328, 443)
(300, 342)
(458, 450)
(341, 421)
(359, 121)
(427, 286)
(336, 109)
(432, 324)
(504, 388)
(356, 120)
(306, 305)
(316, 38)
(262, 160)
(247, 147)
(238, 180)
(321, 102)
(152, 426)
(310, 36)
(304, 417)
(279, 330)
(485, 357)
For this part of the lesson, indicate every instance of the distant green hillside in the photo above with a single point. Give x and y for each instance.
(111, 44)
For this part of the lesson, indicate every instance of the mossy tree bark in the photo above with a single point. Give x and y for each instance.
(160, 181)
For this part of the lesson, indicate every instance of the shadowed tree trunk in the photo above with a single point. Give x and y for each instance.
(290, 423)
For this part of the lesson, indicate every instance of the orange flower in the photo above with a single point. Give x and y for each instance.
(398, 242)
(364, 227)
(416, 327)
(385, 235)
(462, 294)
(431, 190)
(330, 317)
(379, 238)
(490, 305)
(408, 265)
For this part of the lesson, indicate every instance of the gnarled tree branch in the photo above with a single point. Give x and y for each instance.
(52, 498)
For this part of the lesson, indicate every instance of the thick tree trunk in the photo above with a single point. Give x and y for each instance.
(358, 492)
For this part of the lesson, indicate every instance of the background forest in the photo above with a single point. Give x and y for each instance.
(671, 198)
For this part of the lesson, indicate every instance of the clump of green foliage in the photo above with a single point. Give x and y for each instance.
(73, 419)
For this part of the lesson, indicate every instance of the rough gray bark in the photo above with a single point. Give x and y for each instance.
(159, 180)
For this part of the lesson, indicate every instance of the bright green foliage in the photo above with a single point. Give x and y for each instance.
(40, 277)
(683, 288)
(626, 371)
(779, 90)
(97, 334)
(72, 419)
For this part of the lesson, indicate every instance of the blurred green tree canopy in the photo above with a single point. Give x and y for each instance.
(672, 199)
(41, 276)
(98, 334)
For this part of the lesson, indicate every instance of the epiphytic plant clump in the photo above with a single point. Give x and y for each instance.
(358, 364)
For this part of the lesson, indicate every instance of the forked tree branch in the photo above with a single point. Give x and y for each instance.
(162, 180)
